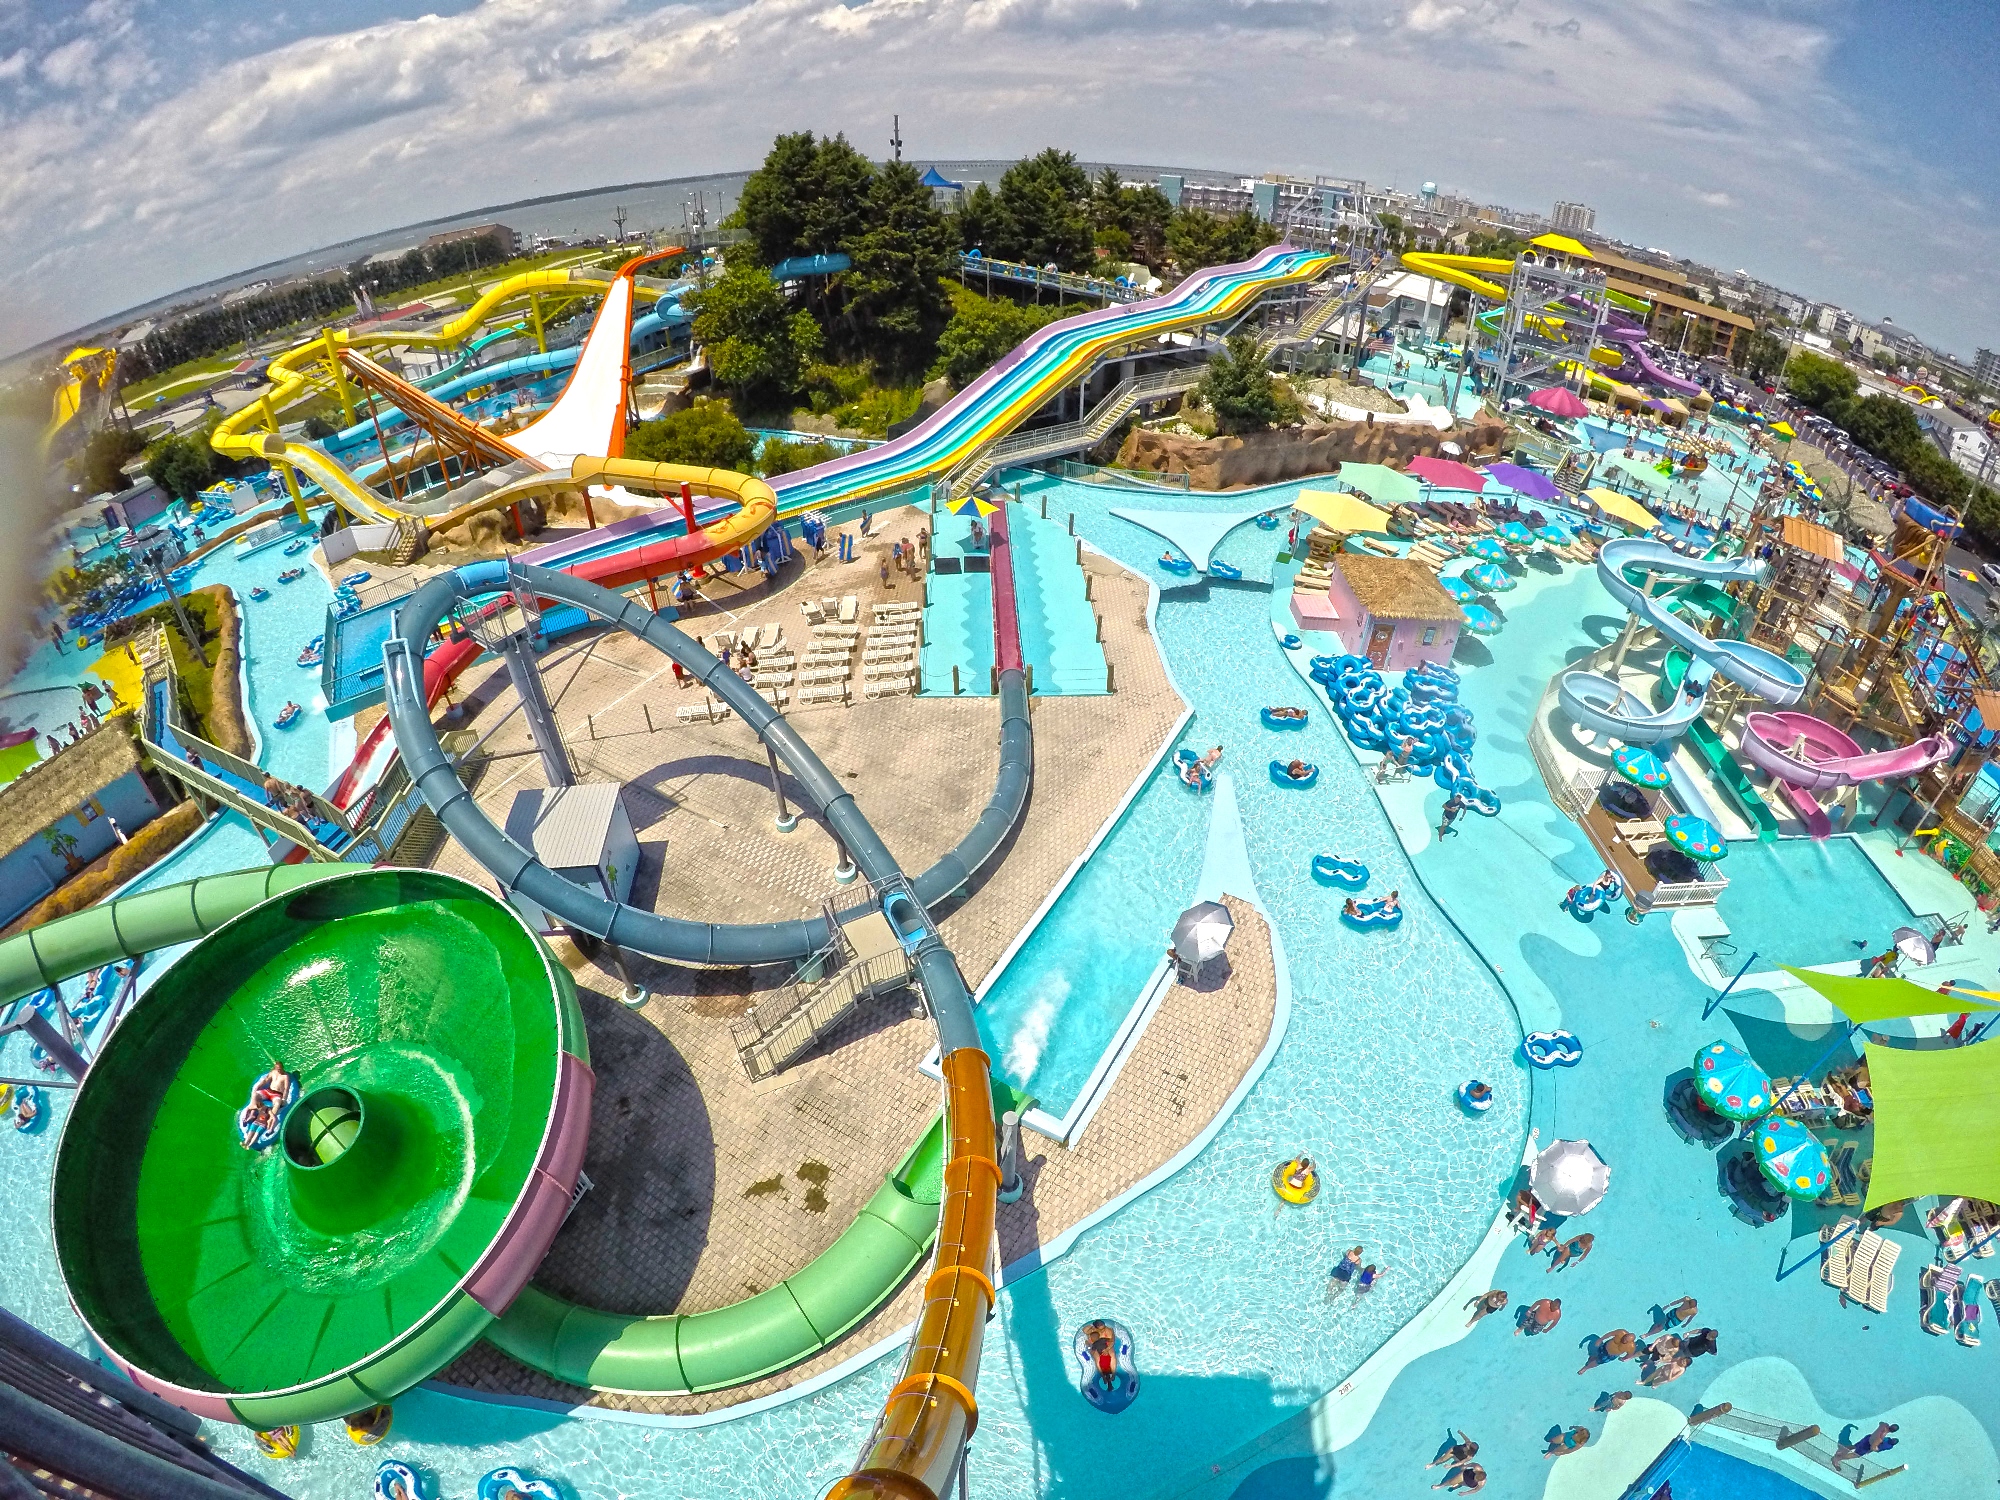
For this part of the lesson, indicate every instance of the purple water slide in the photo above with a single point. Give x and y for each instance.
(1803, 751)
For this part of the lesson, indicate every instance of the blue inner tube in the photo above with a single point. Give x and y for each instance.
(1107, 1369)
(1552, 1049)
(1376, 913)
(1477, 1106)
(1187, 762)
(502, 1481)
(1175, 564)
(1283, 778)
(1348, 872)
(1224, 570)
(1290, 642)
(1267, 523)
(1274, 720)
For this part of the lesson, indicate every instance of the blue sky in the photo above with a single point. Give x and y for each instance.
(1842, 148)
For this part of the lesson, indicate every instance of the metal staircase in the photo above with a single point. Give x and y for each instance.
(863, 960)
(1071, 437)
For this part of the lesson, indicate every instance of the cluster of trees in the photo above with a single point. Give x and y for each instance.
(210, 330)
(184, 464)
(895, 310)
(100, 466)
(1237, 387)
(1761, 355)
(1888, 428)
(459, 257)
(709, 433)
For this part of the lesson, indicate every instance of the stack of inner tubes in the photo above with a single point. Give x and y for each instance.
(1421, 719)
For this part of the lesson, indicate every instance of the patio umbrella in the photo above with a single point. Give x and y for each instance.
(972, 505)
(1569, 1177)
(1730, 1084)
(1202, 931)
(1490, 577)
(1515, 532)
(1558, 401)
(1792, 1157)
(1695, 837)
(1914, 946)
(1488, 548)
(1480, 620)
(1444, 473)
(1450, 449)
(1461, 592)
(1641, 767)
(1524, 481)
(1383, 485)
(1555, 535)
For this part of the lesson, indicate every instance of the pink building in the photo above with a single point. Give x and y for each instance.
(1389, 609)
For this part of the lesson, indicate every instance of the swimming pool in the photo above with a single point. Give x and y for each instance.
(1800, 902)
(1696, 1471)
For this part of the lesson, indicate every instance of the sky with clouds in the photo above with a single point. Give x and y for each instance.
(1842, 148)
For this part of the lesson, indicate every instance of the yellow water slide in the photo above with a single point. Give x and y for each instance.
(81, 369)
(252, 432)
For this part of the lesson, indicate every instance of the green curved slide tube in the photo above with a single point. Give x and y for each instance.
(790, 1322)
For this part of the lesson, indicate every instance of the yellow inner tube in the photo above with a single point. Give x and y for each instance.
(1281, 1184)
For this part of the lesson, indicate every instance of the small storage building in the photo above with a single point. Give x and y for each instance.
(1392, 611)
(583, 833)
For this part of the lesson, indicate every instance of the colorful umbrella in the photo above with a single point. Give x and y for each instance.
(1489, 577)
(1481, 621)
(1515, 532)
(1489, 548)
(1555, 535)
(1730, 1084)
(1695, 837)
(1558, 401)
(1446, 474)
(1654, 403)
(1569, 1177)
(1641, 767)
(1792, 1157)
(1523, 481)
(972, 505)
(1914, 946)
(1461, 592)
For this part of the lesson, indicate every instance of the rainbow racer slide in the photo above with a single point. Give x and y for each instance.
(1599, 704)
(1010, 392)
(1806, 755)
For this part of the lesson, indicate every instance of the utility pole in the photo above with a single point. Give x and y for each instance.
(618, 218)
(896, 136)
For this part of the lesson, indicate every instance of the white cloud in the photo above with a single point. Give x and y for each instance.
(1693, 122)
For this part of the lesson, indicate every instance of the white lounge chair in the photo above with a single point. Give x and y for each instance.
(889, 687)
(824, 692)
(850, 606)
(769, 636)
(811, 609)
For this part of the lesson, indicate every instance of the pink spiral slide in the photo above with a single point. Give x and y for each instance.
(1807, 755)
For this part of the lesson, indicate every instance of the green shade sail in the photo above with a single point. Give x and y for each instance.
(1864, 1000)
(1937, 1115)
(1383, 485)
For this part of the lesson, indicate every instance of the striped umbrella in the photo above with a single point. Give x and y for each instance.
(1490, 577)
(1695, 837)
(1489, 548)
(1792, 1157)
(1731, 1084)
(1641, 766)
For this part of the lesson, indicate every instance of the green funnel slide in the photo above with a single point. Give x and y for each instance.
(326, 1150)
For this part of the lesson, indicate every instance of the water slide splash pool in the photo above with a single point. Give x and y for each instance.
(442, 1103)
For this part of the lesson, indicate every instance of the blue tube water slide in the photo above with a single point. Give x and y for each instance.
(1599, 704)
(632, 927)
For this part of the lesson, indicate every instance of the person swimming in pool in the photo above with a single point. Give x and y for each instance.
(1296, 770)
(1207, 764)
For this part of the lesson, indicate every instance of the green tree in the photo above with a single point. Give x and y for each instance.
(319, 427)
(1144, 213)
(981, 330)
(757, 347)
(980, 223)
(1761, 355)
(1045, 200)
(181, 465)
(706, 433)
(1114, 242)
(1196, 238)
(1819, 382)
(808, 198)
(101, 465)
(778, 456)
(894, 303)
(1237, 387)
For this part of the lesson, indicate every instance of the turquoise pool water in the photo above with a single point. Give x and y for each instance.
(1052, 1011)
(1798, 902)
(958, 617)
(1704, 1473)
(1058, 625)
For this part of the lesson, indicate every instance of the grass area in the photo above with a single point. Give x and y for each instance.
(467, 289)
(183, 378)
(205, 609)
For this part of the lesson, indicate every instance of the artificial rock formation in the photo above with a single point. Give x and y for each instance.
(1297, 452)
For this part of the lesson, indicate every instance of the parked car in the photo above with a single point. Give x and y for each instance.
(1991, 573)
